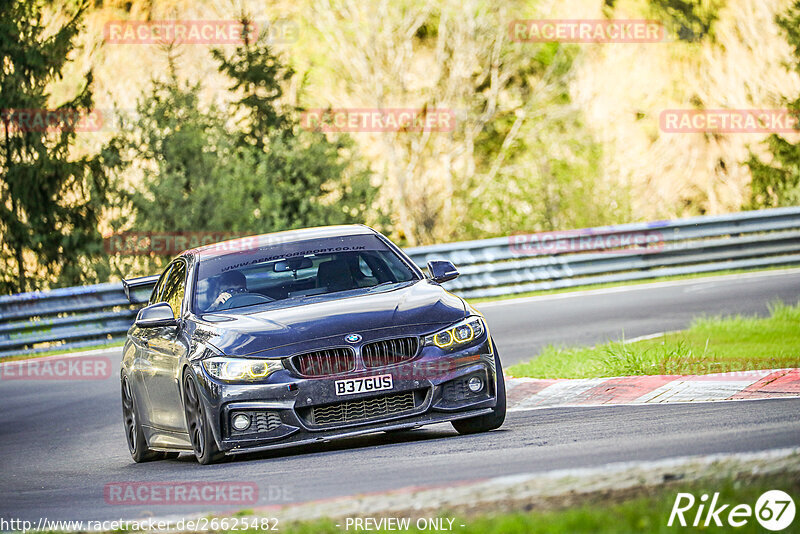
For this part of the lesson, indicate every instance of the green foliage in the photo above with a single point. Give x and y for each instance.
(550, 177)
(50, 201)
(259, 76)
(688, 20)
(262, 174)
(777, 182)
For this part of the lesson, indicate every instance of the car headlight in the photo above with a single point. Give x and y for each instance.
(457, 335)
(241, 369)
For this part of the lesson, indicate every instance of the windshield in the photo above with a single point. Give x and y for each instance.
(296, 270)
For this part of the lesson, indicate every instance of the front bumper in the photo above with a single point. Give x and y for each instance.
(287, 410)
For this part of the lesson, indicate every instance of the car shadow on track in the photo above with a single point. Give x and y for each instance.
(379, 439)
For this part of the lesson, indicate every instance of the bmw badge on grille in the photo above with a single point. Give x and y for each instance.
(353, 338)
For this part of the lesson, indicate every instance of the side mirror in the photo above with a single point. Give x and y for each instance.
(156, 315)
(442, 271)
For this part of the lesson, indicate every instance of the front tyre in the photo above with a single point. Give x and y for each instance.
(484, 423)
(137, 443)
(203, 442)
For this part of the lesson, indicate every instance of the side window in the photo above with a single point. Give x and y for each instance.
(174, 287)
(158, 291)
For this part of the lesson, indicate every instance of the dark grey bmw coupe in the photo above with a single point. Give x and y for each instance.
(299, 337)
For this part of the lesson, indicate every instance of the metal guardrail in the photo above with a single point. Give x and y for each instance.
(91, 315)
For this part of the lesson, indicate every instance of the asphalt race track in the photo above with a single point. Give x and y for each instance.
(61, 442)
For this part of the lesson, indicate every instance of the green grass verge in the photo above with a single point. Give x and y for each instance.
(646, 510)
(57, 351)
(710, 345)
(630, 283)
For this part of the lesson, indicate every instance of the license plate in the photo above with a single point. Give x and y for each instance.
(350, 386)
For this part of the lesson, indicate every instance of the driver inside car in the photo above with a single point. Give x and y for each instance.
(229, 284)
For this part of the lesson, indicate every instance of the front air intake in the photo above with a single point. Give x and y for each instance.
(389, 352)
(325, 362)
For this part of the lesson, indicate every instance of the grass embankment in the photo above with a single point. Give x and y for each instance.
(710, 345)
(645, 511)
(60, 352)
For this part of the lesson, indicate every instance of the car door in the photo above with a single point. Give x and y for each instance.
(142, 367)
(166, 346)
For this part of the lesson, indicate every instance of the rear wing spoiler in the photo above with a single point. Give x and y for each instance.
(138, 290)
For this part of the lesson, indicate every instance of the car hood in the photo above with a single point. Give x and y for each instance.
(248, 332)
